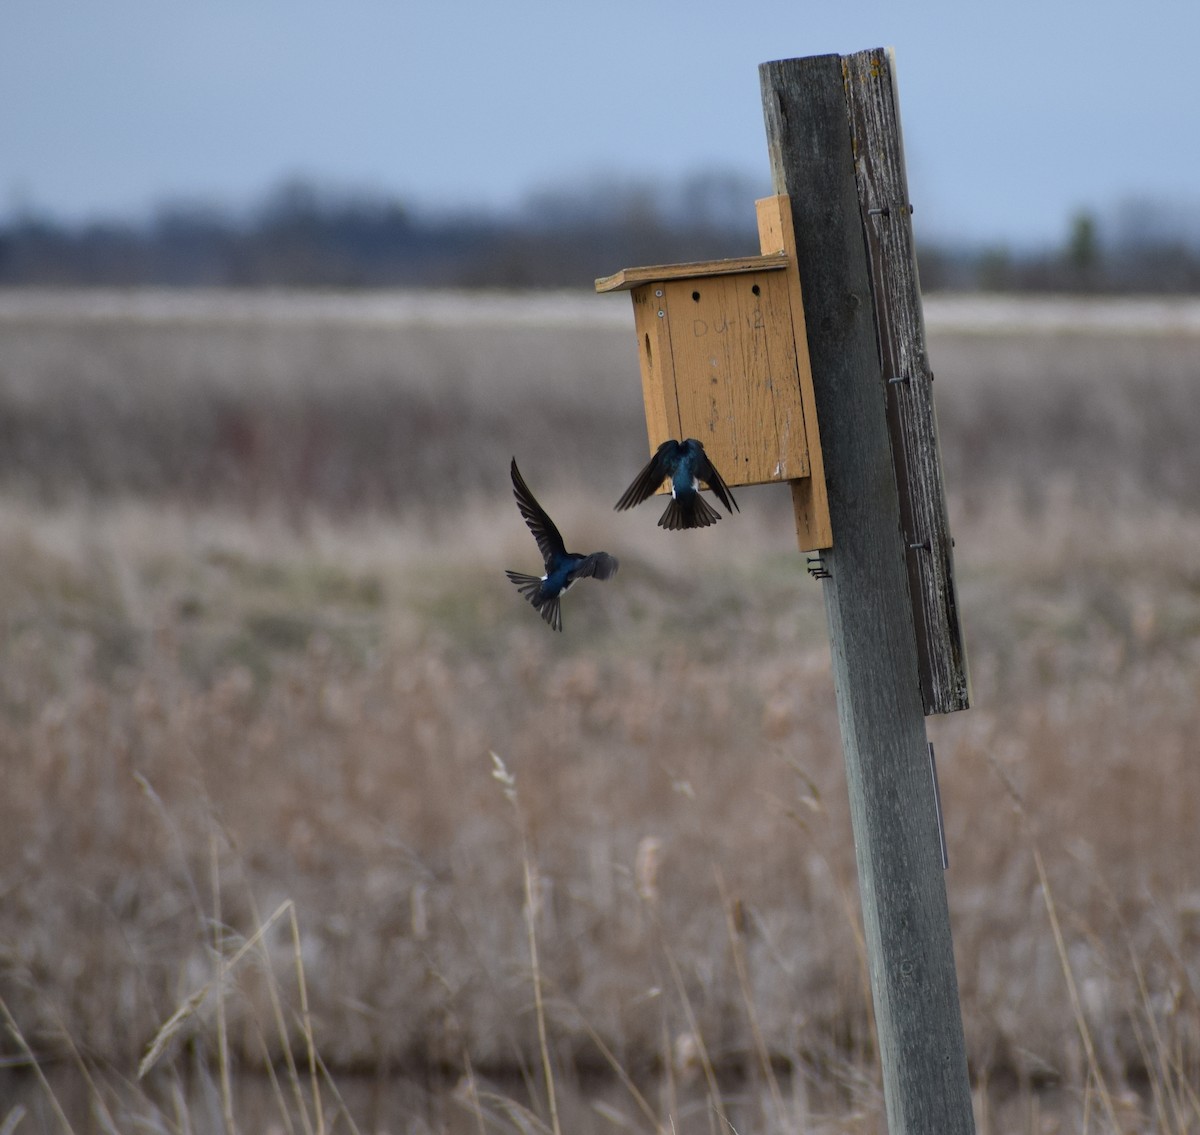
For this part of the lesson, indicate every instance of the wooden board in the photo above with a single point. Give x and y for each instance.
(810, 500)
(657, 363)
(719, 363)
(893, 807)
(629, 278)
(900, 331)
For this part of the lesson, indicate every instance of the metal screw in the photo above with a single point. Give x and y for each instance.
(816, 568)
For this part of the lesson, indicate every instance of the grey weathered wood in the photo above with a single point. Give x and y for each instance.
(894, 815)
(900, 330)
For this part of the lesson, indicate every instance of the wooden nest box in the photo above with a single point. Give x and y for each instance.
(724, 358)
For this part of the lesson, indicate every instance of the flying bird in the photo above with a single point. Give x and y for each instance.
(563, 568)
(686, 464)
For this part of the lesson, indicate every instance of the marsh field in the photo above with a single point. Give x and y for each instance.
(309, 818)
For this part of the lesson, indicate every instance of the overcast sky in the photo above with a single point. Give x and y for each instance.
(1016, 113)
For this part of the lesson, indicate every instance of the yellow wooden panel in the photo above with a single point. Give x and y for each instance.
(735, 381)
(809, 496)
(790, 431)
(629, 278)
(657, 366)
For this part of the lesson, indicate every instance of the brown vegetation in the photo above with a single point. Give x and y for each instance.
(259, 651)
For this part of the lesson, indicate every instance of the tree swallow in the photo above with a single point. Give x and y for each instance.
(686, 464)
(563, 568)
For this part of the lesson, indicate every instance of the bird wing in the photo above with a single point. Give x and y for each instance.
(549, 540)
(655, 471)
(599, 565)
(707, 472)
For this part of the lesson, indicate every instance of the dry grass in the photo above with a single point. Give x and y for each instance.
(227, 693)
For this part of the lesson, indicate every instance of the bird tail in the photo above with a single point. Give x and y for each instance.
(695, 512)
(546, 605)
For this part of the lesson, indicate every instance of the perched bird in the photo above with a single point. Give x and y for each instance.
(563, 568)
(686, 464)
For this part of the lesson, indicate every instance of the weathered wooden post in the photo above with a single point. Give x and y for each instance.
(867, 355)
(807, 364)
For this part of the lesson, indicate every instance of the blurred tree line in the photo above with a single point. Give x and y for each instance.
(303, 235)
